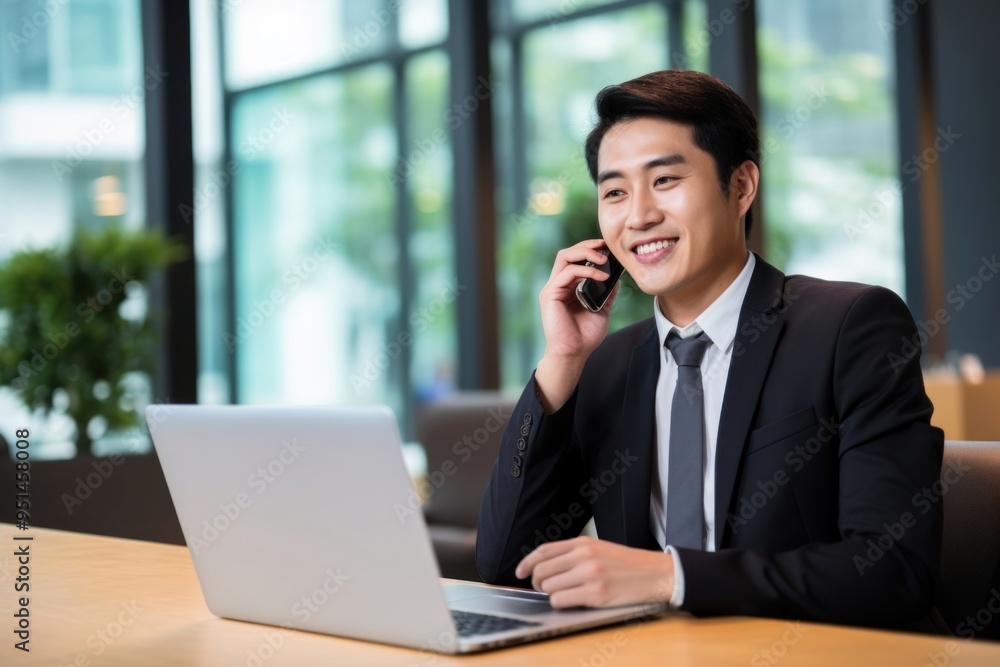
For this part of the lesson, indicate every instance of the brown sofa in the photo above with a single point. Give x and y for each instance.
(461, 435)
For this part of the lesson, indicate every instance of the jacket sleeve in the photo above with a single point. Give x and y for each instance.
(534, 491)
(885, 567)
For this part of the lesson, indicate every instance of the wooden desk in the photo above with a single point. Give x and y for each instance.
(112, 602)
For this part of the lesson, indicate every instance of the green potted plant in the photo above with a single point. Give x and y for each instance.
(74, 326)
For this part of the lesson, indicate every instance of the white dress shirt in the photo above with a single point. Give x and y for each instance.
(719, 322)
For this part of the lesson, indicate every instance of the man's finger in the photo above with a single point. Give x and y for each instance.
(553, 566)
(585, 251)
(542, 553)
(560, 574)
(572, 274)
(577, 596)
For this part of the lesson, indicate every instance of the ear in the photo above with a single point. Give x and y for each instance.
(744, 183)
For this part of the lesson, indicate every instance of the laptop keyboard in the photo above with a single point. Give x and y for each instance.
(470, 624)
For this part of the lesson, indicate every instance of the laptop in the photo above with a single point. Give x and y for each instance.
(306, 518)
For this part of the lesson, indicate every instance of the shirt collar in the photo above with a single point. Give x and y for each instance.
(720, 319)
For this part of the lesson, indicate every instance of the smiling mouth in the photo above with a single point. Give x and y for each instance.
(647, 248)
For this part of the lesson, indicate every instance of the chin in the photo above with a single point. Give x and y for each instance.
(651, 283)
(652, 288)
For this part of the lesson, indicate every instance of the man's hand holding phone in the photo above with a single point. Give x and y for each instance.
(593, 294)
(572, 331)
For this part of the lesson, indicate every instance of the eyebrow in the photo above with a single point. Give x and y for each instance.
(662, 161)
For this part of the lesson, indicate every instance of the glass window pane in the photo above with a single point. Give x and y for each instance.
(554, 204)
(697, 38)
(422, 22)
(211, 180)
(88, 59)
(24, 62)
(431, 243)
(72, 151)
(317, 299)
(87, 40)
(552, 10)
(268, 41)
(828, 131)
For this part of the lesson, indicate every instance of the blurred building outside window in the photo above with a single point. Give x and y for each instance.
(72, 90)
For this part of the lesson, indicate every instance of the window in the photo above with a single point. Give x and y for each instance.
(72, 89)
(828, 136)
(545, 199)
(342, 269)
(336, 130)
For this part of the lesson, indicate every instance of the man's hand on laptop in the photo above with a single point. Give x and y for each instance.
(587, 572)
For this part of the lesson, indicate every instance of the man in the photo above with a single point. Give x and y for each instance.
(756, 446)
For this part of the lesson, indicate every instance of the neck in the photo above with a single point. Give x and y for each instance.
(683, 306)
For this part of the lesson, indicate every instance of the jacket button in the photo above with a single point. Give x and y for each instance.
(525, 429)
(527, 419)
(516, 460)
(515, 471)
(521, 444)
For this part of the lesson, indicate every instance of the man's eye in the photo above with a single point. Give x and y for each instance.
(613, 193)
(665, 179)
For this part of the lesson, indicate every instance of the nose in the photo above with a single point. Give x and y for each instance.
(643, 212)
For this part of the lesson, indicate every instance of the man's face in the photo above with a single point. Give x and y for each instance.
(663, 214)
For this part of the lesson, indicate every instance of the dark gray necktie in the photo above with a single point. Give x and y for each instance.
(685, 486)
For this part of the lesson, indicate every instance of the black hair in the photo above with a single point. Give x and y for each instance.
(723, 124)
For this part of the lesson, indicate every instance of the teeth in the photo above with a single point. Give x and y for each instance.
(655, 245)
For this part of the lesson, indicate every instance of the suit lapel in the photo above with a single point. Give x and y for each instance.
(638, 437)
(756, 338)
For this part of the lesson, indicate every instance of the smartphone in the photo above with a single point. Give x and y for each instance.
(593, 294)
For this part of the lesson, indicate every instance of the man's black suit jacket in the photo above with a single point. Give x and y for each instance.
(824, 464)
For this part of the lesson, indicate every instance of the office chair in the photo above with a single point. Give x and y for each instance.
(461, 435)
(969, 596)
